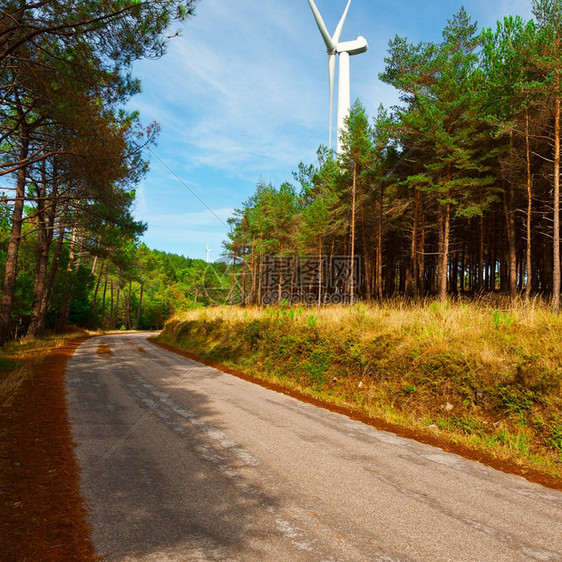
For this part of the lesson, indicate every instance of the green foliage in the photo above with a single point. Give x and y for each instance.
(409, 389)
(500, 318)
(440, 180)
(311, 321)
(64, 125)
(516, 399)
(317, 367)
(7, 366)
(556, 437)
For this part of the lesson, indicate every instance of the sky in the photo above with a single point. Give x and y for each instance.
(242, 96)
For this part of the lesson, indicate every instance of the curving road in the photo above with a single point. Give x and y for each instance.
(183, 462)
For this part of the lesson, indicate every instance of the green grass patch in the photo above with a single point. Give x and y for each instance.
(7, 365)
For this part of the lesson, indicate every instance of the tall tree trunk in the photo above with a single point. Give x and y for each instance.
(102, 320)
(36, 324)
(320, 280)
(454, 273)
(232, 279)
(463, 269)
(528, 268)
(481, 256)
(128, 308)
(53, 272)
(259, 279)
(378, 253)
(117, 298)
(243, 282)
(402, 277)
(352, 272)
(511, 241)
(45, 224)
(96, 290)
(444, 235)
(281, 280)
(414, 247)
(10, 272)
(366, 257)
(79, 250)
(139, 306)
(556, 204)
(95, 261)
(421, 253)
(112, 311)
(493, 256)
(253, 279)
(72, 252)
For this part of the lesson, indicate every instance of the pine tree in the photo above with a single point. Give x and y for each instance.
(548, 62)
(356, 157)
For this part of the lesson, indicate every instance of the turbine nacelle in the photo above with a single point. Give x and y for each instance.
(356, 47)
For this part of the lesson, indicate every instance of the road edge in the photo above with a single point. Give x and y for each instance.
(508, 467)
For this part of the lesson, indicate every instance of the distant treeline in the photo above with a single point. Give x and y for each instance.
(456, 191)
(134, 287)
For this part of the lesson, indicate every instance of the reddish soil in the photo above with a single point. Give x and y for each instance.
(510, 467)
(42, 515)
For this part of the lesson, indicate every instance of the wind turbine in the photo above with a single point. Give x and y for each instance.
(344, 50)
(207, 251)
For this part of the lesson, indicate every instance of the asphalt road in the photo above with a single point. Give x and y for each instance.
(183, 462)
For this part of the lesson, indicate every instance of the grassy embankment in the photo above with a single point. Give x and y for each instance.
(473, 375)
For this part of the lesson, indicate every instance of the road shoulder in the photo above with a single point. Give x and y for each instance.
(43, 516)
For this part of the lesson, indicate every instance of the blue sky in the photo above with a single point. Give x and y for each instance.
(242, 95)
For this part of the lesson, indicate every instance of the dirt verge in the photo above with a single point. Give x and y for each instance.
(42, 514)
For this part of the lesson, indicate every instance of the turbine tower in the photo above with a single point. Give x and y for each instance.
(207, 251)
(344, 50)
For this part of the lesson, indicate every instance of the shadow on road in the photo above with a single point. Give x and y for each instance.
(159, 478)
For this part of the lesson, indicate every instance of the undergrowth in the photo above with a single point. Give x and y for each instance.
(486, 377)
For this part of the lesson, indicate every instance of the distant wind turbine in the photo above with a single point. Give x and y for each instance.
(344, 50)
(207, 251)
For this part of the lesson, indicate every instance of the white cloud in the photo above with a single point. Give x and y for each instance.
(234, 92)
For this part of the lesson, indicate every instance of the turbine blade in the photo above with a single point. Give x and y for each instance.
(339, 28)
(332, 71)
(322, 27)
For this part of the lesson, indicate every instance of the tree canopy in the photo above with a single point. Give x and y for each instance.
(71, 154)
